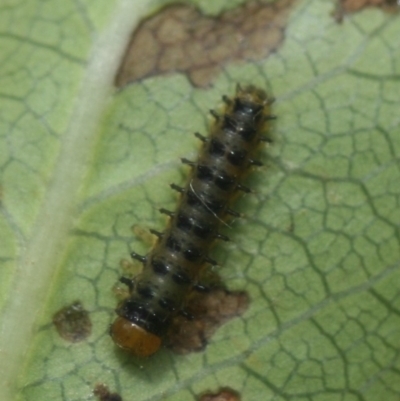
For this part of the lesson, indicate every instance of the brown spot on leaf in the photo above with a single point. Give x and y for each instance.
(102, 392)
(210, 311)
(179, 38)
(73, 322)
(225, 394)
(351, 6)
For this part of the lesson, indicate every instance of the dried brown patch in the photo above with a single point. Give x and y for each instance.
(180, 38)
(210, 311)
(226, 394)
(102, 392)
(73, 322)
(351, 6)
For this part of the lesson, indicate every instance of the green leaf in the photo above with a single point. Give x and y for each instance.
(318, 252)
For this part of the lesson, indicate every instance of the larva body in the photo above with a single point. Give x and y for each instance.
(174, 265)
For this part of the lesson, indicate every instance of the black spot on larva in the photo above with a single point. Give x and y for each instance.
(132, 306)
(173, 244)
(236, 157)
(146, 290)
(183, 222)
(229, 124)
(247, 132)
(168, 304)
(187, 224)
(192, 198)
(159, 267)
(175, 264)
(216, 148)
(192, 254)
(214, 206)
(181, 278)
(204, 173)
(203, 231)
(224, 182)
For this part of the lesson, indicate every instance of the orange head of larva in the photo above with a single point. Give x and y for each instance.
(133, 338)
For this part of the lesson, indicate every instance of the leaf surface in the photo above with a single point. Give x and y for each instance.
(318, 252)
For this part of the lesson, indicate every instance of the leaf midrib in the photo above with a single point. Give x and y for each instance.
(44, 251)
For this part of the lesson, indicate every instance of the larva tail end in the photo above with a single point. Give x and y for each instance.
(131, 337)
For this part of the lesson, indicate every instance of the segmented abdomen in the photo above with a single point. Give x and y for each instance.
(174, 265)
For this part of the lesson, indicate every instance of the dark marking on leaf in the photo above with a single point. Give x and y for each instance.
(73, 323)
(180, 39)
